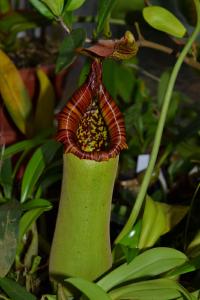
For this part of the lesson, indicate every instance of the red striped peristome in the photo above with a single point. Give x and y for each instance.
(70, 116)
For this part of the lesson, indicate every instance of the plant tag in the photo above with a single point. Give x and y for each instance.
(142, 162)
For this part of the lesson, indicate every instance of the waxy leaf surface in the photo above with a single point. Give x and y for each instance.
(14, 290)
(44, 114)
(14, 93)
(90, 289)
(9, 219)
(150, 263)
(163, 20)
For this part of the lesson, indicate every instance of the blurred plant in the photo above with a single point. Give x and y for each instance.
(14, 21)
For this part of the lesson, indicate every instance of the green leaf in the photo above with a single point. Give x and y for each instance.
(125, 83)
(158, 289)
(150, 263)
(29, 218)
(129, 243)
(90, 289)
(187, 267)
(14, 290)
(9, 216)
(105, 8)
(163, 20)
(158, 219)
(67, 51)
(40, 159)
(22, 146)
(37, 203)
(73, 4)
(68, 18)
(6, 179)
(42, 8)
(14, 93)
(44, 115)
(55, 6)
(118, 79)
(84, 72)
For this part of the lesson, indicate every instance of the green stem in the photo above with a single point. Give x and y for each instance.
(157, 140)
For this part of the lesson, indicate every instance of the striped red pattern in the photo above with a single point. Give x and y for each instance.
(70, 116)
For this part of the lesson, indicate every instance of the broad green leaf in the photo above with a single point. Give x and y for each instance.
(4, 6)
(158, 219)
(22, 146)
(162, 87)
(9, 216)
(158, 289)
(187, 267)
(105, 9)
(90, 289)
(40, 159)
(119, 80)
(153, 224)
(6, 179)
(42, 8)
(36, 203)
(150, 263)
(29, 218)
(67, 51)
(44, 115)
(163, 20)
(14, 290)
(125, 83)
(14, 93)
(55, 6)
(73, 4)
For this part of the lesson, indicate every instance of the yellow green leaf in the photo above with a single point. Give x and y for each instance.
(158, 219)
(14, 93)
(44, 114)
(161, 19)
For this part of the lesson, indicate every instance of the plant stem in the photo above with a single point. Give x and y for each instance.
(158, 136)
(149, 44)
(64, 26)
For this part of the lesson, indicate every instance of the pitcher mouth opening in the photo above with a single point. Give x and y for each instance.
(91, 125)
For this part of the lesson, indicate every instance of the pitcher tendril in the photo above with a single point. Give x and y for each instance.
(91, 125)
